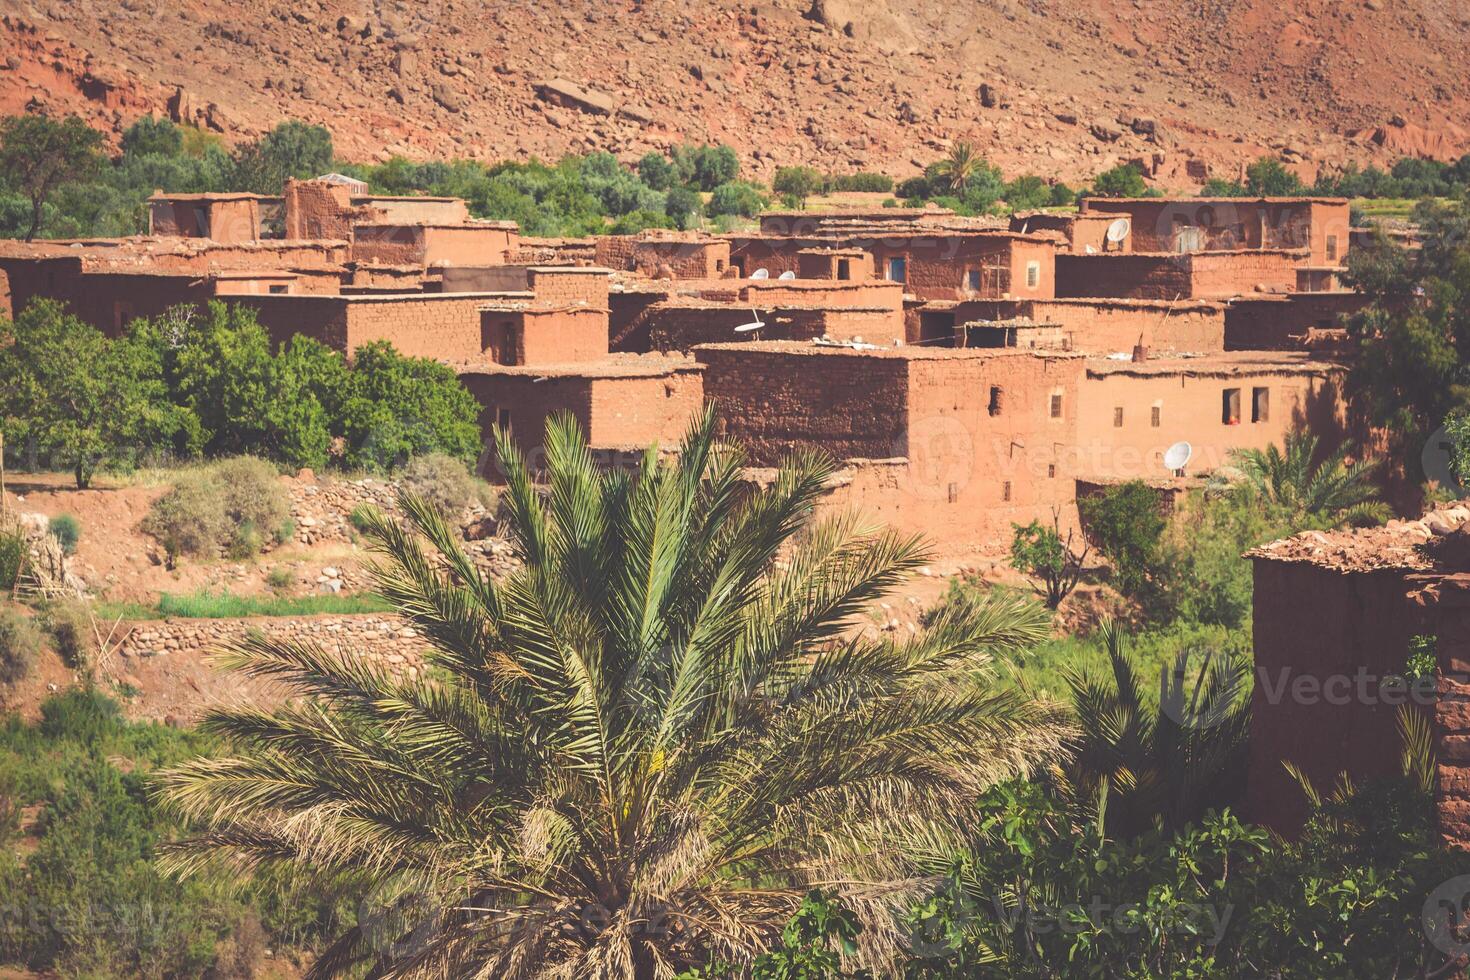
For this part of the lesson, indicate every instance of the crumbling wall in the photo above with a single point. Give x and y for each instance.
(1107, 325)
(444, 326)
(566, 286)
(1126, 275)
(1223, 274)
(316, 209)
(774, 402)
(872, 294)
(1316, 631)
(1284, 322)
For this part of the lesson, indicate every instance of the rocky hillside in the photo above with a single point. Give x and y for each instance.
(1057, 87)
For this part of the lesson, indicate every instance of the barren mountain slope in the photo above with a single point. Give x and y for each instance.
(1057, 87)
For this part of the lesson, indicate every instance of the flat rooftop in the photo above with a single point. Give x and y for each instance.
(1215, 364)
(794, 348)
(653, 365)
(1405, 546)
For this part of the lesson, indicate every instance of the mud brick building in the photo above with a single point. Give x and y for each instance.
(958, 442)
(1288, 322)
(1099, 326)
(1131, 413)
(625, 403)
(664, 255)
(1320, 225)
(220, 217)
(1344, 610)
(1173, 275)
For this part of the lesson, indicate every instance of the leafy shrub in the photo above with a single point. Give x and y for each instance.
(441, 480)
(70, 625)
(864, 182)
(1040, 552)
(1125, 525)
(220, 507)
(67, 530)
(280, 577)
(736, 198)
(20, 642)
(13, 553)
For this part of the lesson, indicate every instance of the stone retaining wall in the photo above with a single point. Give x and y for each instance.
(385, 639)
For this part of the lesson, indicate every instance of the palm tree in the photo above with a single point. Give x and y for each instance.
(960, 167)
(1333, 492)
(1172, 759)
(634, 754)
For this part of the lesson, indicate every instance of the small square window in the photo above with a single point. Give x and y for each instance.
(994, 399)
(898, 270)
(1260, 404)
(276, 289)
(1331, 248)
(1118, 417)
(1033, 275)
(1056, 406)
(844, 269)
(502, 418)
(1154, 416)
(1230, 406)
(1051, 471)
(972, 280)
(1005, 490)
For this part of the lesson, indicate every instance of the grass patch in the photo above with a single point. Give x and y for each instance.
(1385, 207)
(222, 605)
(1042, 670)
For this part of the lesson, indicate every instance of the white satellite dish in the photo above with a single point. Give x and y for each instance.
(788, 274)
(753, 326)
(1118, 230)
(761, 274)
(1177, 456)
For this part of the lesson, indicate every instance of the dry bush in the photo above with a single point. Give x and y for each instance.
(444, 482)
(70, 624)
(20, 643)
(234, 506)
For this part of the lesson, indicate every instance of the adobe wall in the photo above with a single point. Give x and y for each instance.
(775, 402)
(7, 310)
(686, 258)
(1222, 274)
(317, 209)
(547, 335)
(872, 294)
(526, 404)
(822, 263)
(1282, 322)
(1125, 275)
(444, 326)
(974, 473)
(404, 244)
(968, 473)
(564, 286)
(108, 301)
(1191, 403)
(1193, 275)
(223, 220)
(415, 210)
(1318, 623)
(683, 325)
(617, 411)
(1105, 326)
(636, 412)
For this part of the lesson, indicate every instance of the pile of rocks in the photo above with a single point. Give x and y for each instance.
(1401, 545)
(322, 510)
(388, 641)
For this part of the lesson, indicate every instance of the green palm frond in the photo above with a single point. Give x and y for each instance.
(669, 714)
(1331, 490)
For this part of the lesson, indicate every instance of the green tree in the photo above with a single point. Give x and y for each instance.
(1268, 177)
(683, 206)
(1125, 524)
(798, 183)
(1125, 180)
(1041, 552)
(399, 407)
(1410, 371)
(152, 135)
(655, 170)
(38, 155)
(1328, 491)
(292, 149)
(641, 749)
(73, 394)
(736, 197)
